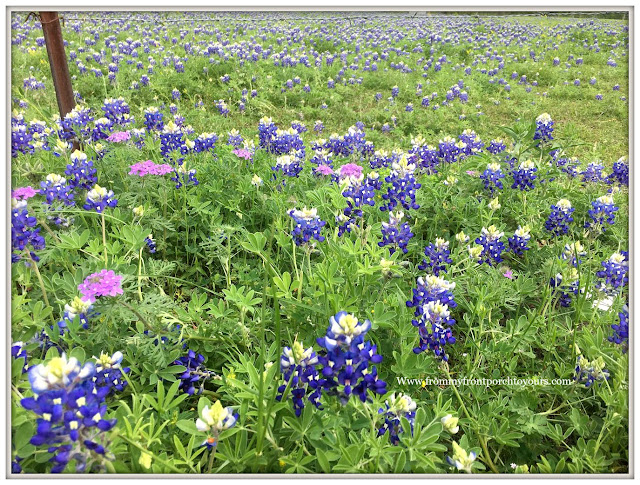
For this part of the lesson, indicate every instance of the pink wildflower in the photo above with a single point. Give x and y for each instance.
(473, 173)
(243, 153)
(324, 170)
(119, 136)
(104, 283)
(508, 274)
(23, 193)
(350, 170)
(149, 168)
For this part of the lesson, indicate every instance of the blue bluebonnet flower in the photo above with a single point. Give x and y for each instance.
(573, 251)
(32, 84)
(602, 211)
(621, 330)
(620, 172)
(175, 94)
(439, 257)
(109, 372)
(24, 232)
(308, 225)
(566, 287)
(151, 243)
(55, 187)
(496, 146)
(279, 142)
(492, 247)
(434, 329)
(524, 176)
(593, 172)
(614, 274)
(71, 414)
(118, 111)
(403, 186)
(290, 165)
(347, 365)
(234, 138)
(518, 242)
(318, 127)
(395, 91)
(589, 372)
(300, 367)
(395, 233)
(18, 351)
(80, 172)
(205, 142)
(183, 176)
(153, 119)
(560, 217)
(99, 199)
(544, 128)
(472, 144)
(171, 139)
(223, 109)
(195, 372)
(395, 408)
(430, 289)
(213, 420)
(448, 150)
(83, 309)
(358, 193)
(491, 177)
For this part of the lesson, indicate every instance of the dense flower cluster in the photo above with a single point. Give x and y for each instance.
(24, 232)
(347, 363)
(300, 368)
(614, 273)
(395, 408)
(195, 372)
(99, 198)
(307, 225)
(71, 410)
(620, 172)
(492, 247)
(110, 373)
(103, 283)
(524, 175)
(403, 186)
(439, 257)
(621, 330)
(544, 128)
(560, 217)
(80, 172)
(55, 187)
(602, 211)
(395, 233)
(491, 177)
(518, 242)
(150, 168)
(589, 372)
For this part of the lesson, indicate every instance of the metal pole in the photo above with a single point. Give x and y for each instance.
(58, 61)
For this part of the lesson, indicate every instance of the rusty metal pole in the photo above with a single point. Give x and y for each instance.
(58, 62)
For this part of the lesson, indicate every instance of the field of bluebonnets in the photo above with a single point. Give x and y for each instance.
(280, 229)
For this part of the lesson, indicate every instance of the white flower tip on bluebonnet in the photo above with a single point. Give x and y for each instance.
(564, 204)
(347, 324)
(56, 179)
(215, 417)
(544, 118)
(450, 423)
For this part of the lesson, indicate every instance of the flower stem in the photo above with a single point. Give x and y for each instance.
(481, 438)
(40, 282)
(140, 274)
(104, 240)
